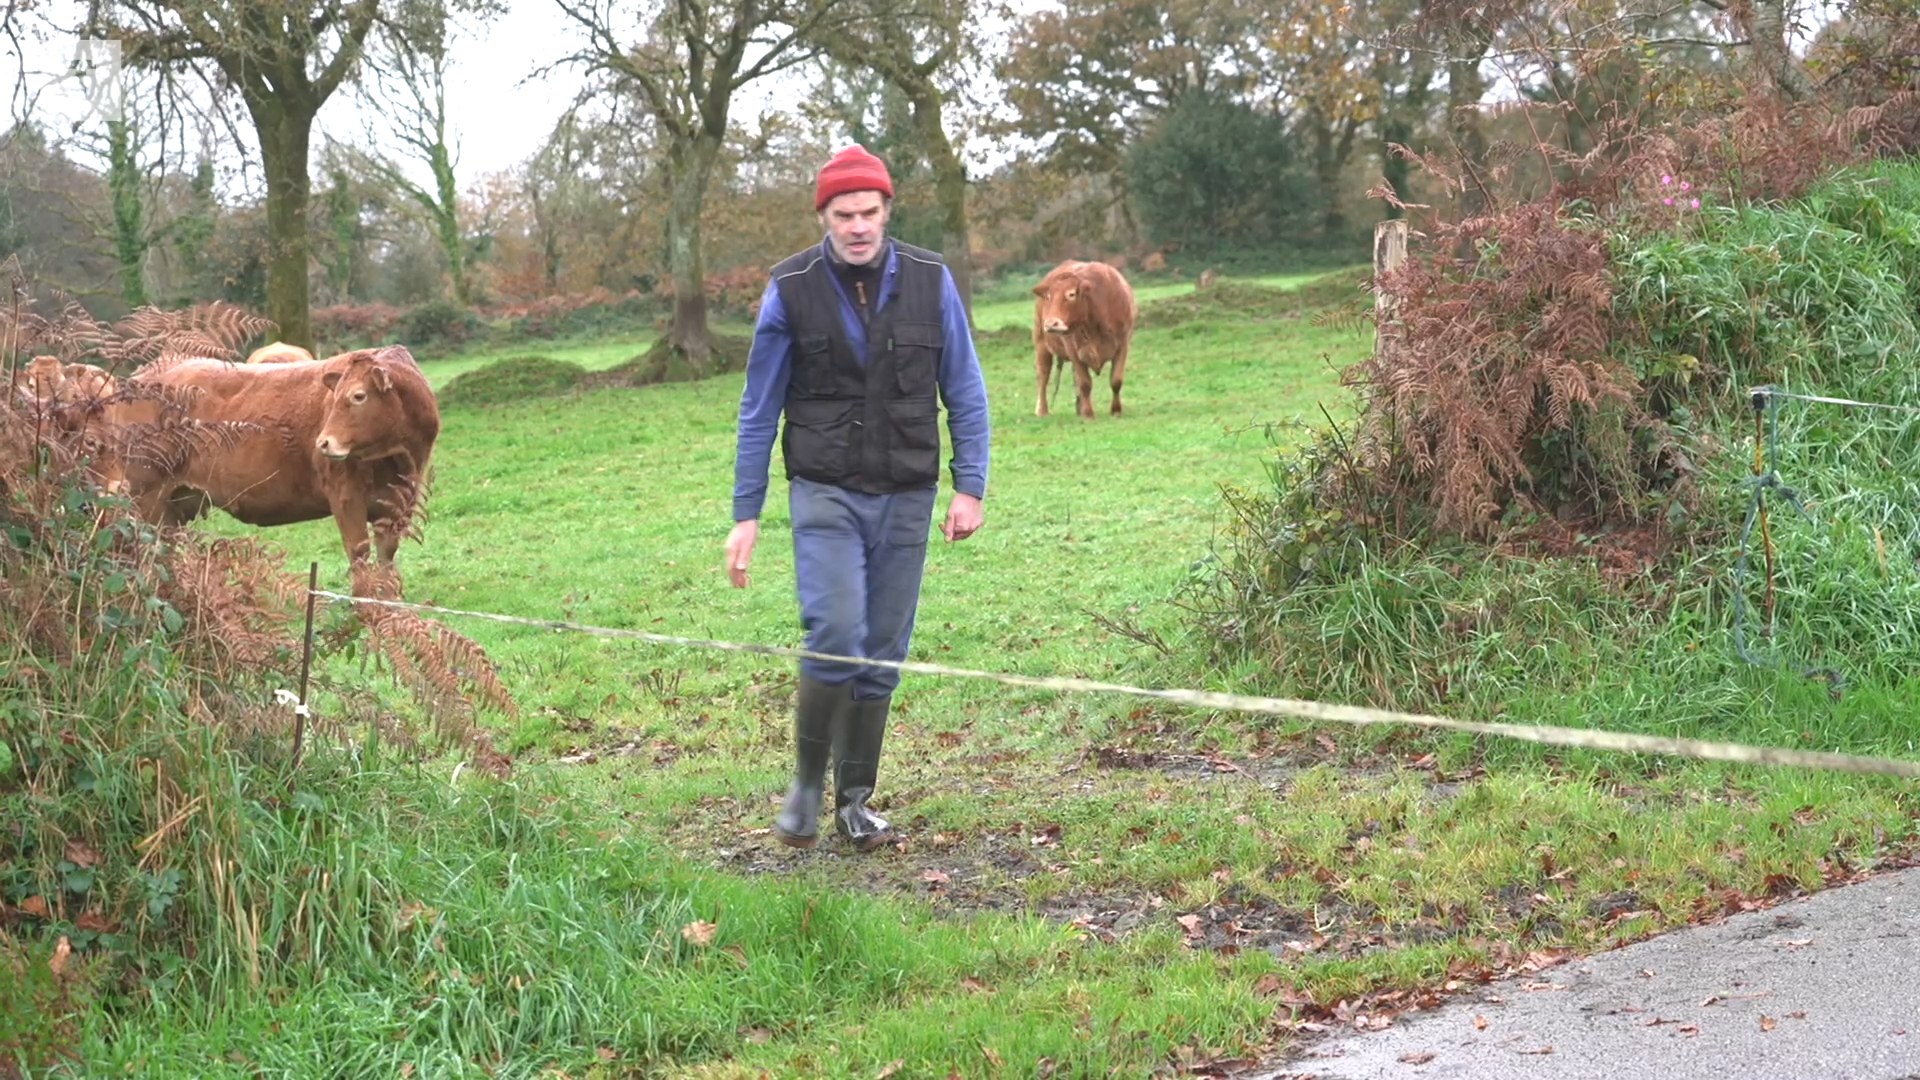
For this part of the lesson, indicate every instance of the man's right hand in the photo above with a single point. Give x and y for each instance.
(740, 550)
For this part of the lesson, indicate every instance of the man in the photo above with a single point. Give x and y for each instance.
(854, 338)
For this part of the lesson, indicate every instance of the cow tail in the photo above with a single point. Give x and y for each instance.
(1058, 362)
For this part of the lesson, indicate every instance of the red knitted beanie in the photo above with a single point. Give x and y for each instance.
(852, 169)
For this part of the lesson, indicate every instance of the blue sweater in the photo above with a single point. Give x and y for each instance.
(963, 389)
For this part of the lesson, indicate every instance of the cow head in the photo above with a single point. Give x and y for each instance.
(1065, 296)
(365, 416)
(39, 380)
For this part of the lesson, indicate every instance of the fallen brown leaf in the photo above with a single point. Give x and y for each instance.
(1542, 1050)
(35, 906)
(1191, 923)
(993, 1057)
(608, 1053)
(1797, 1014)
(1420, 1057)
(699, 932)
(96, 922)
(406, 1070)
(936, 877)
(757, 1035)
(891, 1067)
(79, 854)
(1480, 1022)
(1688, 1029)
(62, 950)
(1767, 1023)
(975, 985)
(1267, 985)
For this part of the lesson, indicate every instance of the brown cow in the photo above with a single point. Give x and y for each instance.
(279, 352)
(39, 380)
(349, 436)
(76, 403)
(1084, 315)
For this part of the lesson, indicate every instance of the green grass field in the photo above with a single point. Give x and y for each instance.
(1088, 885)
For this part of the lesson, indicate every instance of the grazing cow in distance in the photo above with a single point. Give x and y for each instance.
(348, 437)
(1083, 315)
(279, 352)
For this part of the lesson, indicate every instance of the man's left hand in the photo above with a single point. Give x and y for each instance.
(964, 517)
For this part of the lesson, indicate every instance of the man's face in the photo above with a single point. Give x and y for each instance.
(856, 223)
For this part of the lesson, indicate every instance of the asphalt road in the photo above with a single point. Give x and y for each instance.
(1826, 986)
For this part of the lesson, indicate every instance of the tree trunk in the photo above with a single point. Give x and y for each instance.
(446, 222)
(1464, 89)
(130, 240)
(1401, 114)
(1332, 151)
(1767, 28)
(286, 131)
(689, 165)
(1465, 86)
(343, 219)
(950, 189)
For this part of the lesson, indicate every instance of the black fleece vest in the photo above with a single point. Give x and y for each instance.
(872, 428)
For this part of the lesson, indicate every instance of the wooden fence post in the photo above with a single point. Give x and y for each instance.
(1389, 251)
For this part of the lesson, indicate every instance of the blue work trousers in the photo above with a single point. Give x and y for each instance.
(857, 564)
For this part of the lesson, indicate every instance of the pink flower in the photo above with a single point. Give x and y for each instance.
(1669, 202)
(1696, 204)
(1685, 186)
(1666, 179)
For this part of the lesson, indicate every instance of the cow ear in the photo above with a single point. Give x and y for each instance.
(1040, 289)
(330, 380)
(381, 379)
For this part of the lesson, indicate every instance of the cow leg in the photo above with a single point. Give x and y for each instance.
(1043, 366)
(1082, 390)
(350, 514)
(1118, 376)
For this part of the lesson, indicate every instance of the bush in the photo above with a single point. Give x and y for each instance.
(1563, 428)
(1214, 170)
(438, 324)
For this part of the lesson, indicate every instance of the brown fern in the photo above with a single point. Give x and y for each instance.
(444, 669)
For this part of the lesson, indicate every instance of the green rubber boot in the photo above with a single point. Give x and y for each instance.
(817, 709)
(856, 770)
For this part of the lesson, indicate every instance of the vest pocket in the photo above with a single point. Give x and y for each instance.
(916, 441)
(916, 357)
(818, 437)
(813, 364)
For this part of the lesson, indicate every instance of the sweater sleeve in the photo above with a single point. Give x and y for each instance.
(769, 366)
(963, 387)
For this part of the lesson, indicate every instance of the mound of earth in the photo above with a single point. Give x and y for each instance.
(1243, 301)
(514, 379)
(662, 363)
